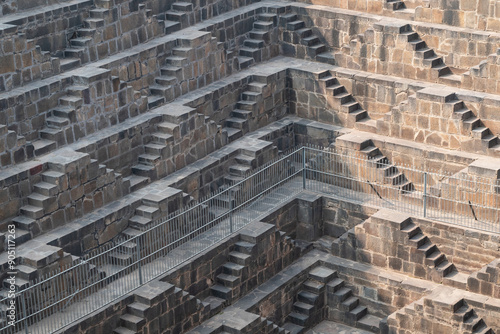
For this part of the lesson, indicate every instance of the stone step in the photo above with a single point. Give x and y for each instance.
(232, 133)
(166, 80)
(182, 6)
(24, 222)
(357, 313)
(81, 42)
(19, 283)
(132, 322)
(239, 170)
(231, 268)
(162, 138)
(93, 23)
(123, 330)
(256, 87)
(293, 328)
(22, 236)
(263, 25)
(177, 61)
(121, 259)
(313, 286)
(138, 309)
(53, 134)
(57, 122)
(33, 212)
(299, 319)
(156, 150)
(308, 297)
(46, 188)
(71, 101)
(236, 123)
(155, 101)
(295, 25)
(171, 26)
(254, 43)
(216, 304)
(138, 181)
(26, 273)
(229, 281)
(74, 52)
(172, 71)
(44, 146)
(148, 212)
(67, 112)
(245, 247)
(251, 96)
(66, 64)
(243, 114)
(99, 13)
(140, 222)
(169, 128)
(250, 52)
(303, 308)
(322, 274)
(245, 62)
(349, 304)
(149, 159)
(239, 258)
(86, 32)
(369, 323)
(246, 160)
(221, 291)
(48, 203)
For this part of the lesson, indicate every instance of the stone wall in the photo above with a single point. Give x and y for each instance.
(480, 15)
(22, 61)
(340, 216)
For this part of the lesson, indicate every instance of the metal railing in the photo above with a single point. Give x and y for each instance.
(114, 270)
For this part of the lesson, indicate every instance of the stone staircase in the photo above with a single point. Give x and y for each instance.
(234, 272)
(310, 301)
(296, 32)
(388, 173)
(43, 201)
(472, 126)
(469, 320)
(345, 307)
(182, 13)
(462, 316)
(427, 58)
(345, 103)
(242, 119)
(251, 51)
(156, 150)
(77, 52)
(58, 130)
(163, 90)
(427, 252)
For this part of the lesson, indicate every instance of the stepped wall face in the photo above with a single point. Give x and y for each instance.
(117, 115)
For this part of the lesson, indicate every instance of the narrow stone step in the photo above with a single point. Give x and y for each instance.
(132, 322)
(32, 212)
(293, 328)
(221, 292)
(66, 64)
(44, 146)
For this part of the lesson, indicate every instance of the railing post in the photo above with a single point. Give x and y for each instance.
(425, 194)
(139, 259)
(231, 211)
(304, 167)
(25, 314)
